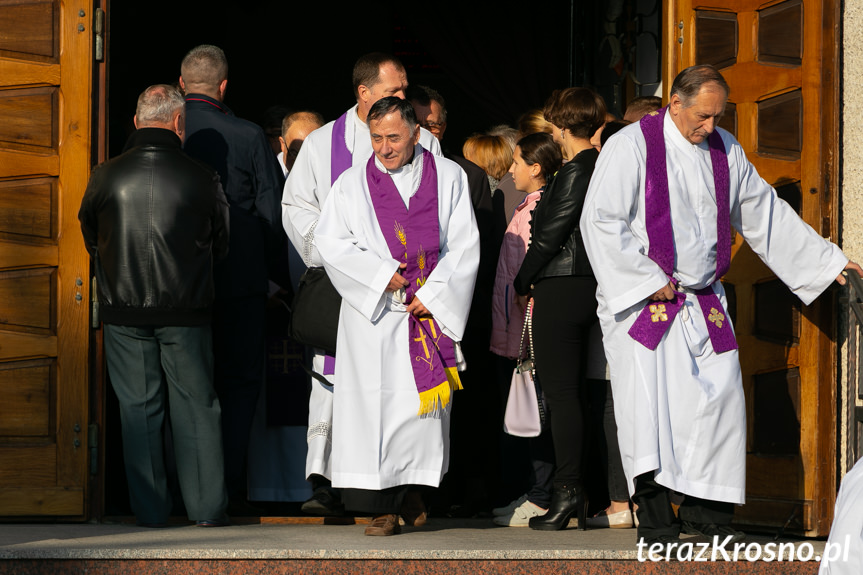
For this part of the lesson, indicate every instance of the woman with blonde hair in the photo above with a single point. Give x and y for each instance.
(491, 153)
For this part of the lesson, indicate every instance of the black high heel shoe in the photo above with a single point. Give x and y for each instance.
(564, 502)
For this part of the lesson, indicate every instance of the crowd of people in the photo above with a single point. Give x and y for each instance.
(614, 233)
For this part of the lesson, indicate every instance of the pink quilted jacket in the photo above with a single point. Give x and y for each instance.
(506, 318)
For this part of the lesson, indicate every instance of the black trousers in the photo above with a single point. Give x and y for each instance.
(656, 517)
(375, 501)
(564, 310)
(239, 345)
(602, 408)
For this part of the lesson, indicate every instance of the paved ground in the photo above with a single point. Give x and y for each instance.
(440, 539)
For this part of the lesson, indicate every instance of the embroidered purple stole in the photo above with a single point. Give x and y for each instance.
(340, 160)
(413, 237)
(656, 317)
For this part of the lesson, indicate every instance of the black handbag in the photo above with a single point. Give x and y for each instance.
(315, 311)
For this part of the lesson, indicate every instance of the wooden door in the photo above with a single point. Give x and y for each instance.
(779, 58)
(45, 139)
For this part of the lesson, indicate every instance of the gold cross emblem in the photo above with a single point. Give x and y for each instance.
(716, 317)
(657, 312)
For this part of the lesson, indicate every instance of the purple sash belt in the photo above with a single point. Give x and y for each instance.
(656, 317)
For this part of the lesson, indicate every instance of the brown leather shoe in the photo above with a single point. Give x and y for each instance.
(384, 525)
(413, 510)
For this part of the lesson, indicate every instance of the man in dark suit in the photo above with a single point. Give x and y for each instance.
(252, 180)
(474, 467)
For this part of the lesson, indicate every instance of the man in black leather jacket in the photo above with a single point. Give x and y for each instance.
(253, 182)
(153, 220)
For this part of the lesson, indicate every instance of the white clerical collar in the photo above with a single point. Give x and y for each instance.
(354, 128)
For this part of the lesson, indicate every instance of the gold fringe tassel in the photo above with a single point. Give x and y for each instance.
(438, 397)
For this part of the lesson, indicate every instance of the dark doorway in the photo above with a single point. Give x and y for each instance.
(491, 61)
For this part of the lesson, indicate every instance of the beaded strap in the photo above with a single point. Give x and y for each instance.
(531, 359)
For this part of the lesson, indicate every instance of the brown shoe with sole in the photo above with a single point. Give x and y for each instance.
(384, 525)
(413, 511)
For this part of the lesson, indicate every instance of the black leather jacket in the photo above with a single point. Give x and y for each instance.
(153, 220)
(556, 247)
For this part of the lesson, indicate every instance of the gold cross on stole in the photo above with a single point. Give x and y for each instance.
(716, 317)
(657, 312)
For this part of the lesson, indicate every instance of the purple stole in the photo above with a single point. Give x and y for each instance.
(656, 317)
(413, 237)
(340, 160)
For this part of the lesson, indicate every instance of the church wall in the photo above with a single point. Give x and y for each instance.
(851, 178)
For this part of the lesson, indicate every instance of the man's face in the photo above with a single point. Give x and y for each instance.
(698, 120)
(431, 117)
(293, 140)
(392, 140)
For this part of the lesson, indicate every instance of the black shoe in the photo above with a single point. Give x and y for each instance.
(565, 501)
(324, 501)
(648, 550)
(712, 530)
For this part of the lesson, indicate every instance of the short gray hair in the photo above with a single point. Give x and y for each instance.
(158, 105)
(689, 82)
(390, 105)
(204, 65)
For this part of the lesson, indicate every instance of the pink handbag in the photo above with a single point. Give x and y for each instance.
(525, 409)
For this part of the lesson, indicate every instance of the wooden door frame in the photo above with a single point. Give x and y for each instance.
(820, 482)
(98, 372)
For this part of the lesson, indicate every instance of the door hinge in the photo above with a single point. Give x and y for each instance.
(93, 444)
(99, 33)
(94, 304)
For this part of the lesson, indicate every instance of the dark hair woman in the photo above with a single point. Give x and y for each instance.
(557, 274)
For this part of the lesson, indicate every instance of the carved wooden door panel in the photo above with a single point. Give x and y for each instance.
(45, 91)
(778, 58)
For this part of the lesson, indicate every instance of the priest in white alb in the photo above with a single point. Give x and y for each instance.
(657, 228)
(399, 241)
(325, 154)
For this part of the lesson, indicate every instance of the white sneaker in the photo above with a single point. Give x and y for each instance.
(510, 507)
(520, 517)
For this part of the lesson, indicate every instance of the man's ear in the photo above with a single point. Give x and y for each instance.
(674, 104)
(135, 121)
(363, 93)
(182, 85)
(223, 86)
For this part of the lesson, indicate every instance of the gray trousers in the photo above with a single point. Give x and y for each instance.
(138, 358)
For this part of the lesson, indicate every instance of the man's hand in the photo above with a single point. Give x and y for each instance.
(417, 308)
(665, 294)
(851, 267)
(521, 301)
(398, 282)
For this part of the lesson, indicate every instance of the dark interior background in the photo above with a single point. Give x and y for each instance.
(491, 61)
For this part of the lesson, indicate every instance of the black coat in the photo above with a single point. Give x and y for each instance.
(556, 246)
(252, 179)
(153, 220)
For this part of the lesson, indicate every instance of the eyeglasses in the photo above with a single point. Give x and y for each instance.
(433, 126)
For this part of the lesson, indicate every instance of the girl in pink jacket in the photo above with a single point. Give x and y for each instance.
(535, 159)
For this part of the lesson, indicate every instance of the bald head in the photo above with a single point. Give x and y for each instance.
(295, 128)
